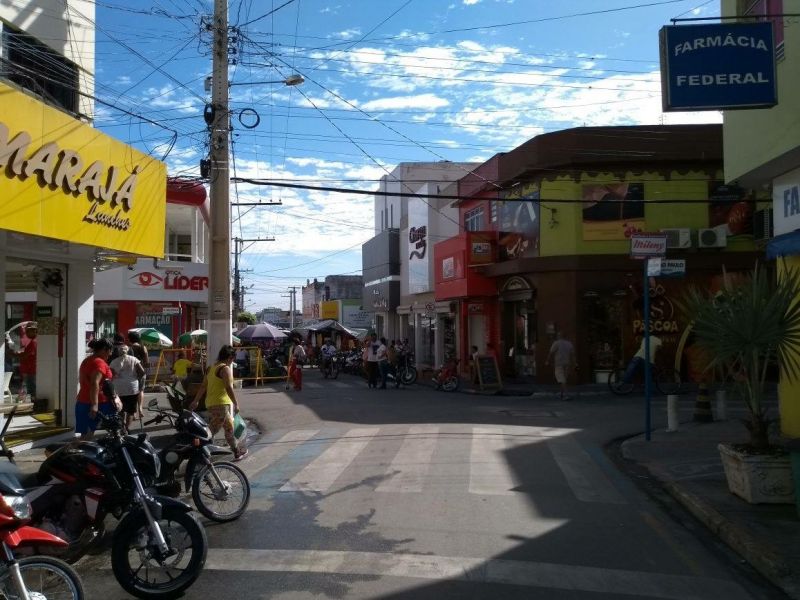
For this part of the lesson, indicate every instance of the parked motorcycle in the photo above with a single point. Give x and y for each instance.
(405, 371)
(274, 359)
(220, 490)
(446, 377)
(28, 577)
(158, 548)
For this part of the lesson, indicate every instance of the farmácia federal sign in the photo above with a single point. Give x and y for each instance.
(718, 67)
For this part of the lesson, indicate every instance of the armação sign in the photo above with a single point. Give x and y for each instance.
(718, 67)
(65, 180)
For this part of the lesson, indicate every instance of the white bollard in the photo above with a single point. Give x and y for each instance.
(721, 405)
(672, 412)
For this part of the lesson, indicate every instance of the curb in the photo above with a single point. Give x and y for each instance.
(762, 557)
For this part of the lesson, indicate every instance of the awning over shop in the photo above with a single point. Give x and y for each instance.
(787, 244)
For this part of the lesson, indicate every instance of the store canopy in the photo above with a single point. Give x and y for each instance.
(327, 325)
(787, 244)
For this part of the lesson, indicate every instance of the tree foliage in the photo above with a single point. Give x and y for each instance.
(246, 317)
(751, 324)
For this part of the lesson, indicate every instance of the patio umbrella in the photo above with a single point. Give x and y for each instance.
(260, 332)
(198, 336)
(152, 337)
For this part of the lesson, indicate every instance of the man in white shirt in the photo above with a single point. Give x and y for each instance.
(562, 352)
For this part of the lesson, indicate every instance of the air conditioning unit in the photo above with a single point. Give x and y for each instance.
(762, 225)
(678, 238)
(712, 238)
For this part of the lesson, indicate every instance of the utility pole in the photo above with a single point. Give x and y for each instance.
(238, 288)
(292, 305)
(219, 271)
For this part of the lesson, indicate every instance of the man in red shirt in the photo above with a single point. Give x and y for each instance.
(27, 363)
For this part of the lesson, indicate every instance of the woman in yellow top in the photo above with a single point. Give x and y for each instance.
(221, 400)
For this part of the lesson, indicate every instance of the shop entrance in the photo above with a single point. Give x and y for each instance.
(33, 362)
(518, 327)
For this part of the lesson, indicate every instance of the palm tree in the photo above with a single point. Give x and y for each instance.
(748, 326)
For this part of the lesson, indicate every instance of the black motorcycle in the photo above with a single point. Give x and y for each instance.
(330, 366)
(404, 370)
(220, 490)
(158, 548)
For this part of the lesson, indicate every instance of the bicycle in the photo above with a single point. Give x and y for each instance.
(667, 381)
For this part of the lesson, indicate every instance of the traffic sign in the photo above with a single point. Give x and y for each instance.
(662, 267)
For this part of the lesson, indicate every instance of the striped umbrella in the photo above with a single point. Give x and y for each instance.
(152, 337)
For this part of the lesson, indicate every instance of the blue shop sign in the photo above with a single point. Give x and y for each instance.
(718, 67)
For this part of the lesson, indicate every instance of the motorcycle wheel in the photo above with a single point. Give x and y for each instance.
(135, 561)
(408, 375)
(451, 384)
(216, 504)
(45, 577)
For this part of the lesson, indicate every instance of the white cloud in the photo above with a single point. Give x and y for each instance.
(471, 2)
(426, 101)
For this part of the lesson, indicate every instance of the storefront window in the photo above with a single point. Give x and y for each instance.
(105, 320)
(604, 315)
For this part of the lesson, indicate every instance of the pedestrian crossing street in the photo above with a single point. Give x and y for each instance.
(409, 459)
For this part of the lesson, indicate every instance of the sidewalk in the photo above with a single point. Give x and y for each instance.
(687, 464)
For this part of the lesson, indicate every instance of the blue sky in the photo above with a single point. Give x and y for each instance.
(386, 82)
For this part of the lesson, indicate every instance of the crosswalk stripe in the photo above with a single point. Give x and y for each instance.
(276, 450)
(320, 474)
(573, 579)
(488, 470)
(583, 475)
(410, 465)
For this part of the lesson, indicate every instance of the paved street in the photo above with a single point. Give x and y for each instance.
(414, 493)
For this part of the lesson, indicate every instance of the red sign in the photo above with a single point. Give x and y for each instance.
(170, 281)
(646, 245)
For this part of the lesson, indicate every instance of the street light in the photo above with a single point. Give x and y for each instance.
(290, 81)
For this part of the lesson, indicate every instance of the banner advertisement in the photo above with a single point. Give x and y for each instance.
(518, 222)
(354, 315)
(732, 206)
(612, 211)
(419, 253)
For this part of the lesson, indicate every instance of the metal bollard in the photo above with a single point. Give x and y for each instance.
(672, 412)
(722, 405)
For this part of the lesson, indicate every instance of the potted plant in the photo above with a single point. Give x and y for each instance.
(750, 325)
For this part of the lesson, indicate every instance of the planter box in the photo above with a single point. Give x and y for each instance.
(759, 479)
(601, 375)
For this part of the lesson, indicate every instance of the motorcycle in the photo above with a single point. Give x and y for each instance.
(158, 547)
(220, 490)
(351, 363)
(330, 366)
(446, 378)
(405, 371)
(274, 363)
(28, 577)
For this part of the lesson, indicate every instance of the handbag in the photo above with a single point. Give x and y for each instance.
(239, 427)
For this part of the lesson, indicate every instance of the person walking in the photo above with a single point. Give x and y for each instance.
(27, 362)
(137, 349)
(562, 352)
(95, 392)
(128, 372)
(383, 361)
(299, 356)
(221, 402)
(372, 361)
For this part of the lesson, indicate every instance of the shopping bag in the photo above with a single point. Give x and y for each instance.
(239, 427)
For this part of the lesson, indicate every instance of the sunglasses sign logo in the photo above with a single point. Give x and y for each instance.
(172, 281)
